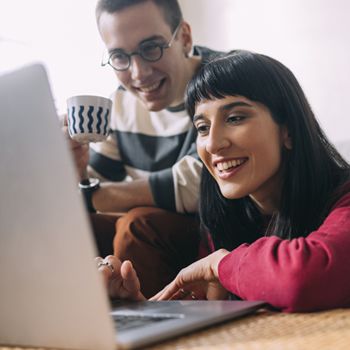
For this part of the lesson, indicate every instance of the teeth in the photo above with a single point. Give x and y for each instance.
(230, 164)
(150, 88)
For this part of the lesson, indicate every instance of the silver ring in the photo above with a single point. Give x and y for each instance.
(106, 263)
(184, 293)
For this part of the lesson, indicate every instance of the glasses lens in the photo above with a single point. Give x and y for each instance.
(151, 51)
(119, 60)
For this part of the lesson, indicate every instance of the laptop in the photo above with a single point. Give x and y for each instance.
(51, 292)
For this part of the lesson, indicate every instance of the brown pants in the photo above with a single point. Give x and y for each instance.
(158, 243)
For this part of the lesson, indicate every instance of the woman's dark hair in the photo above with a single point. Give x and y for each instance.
(313, 170)
(170, 8)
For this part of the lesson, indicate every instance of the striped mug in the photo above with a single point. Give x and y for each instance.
(88, 118)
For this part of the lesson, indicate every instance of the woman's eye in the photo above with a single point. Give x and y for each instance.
(202, 129)
(235, 119)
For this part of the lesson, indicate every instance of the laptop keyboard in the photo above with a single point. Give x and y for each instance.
(124, 322)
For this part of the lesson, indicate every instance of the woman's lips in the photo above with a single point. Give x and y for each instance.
(228, 168)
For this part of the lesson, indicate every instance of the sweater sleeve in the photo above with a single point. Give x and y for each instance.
(177, 188)
(302, 274)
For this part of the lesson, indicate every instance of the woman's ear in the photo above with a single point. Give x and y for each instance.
(286, 138)
(186, 38)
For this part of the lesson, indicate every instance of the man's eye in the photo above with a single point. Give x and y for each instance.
(118, 56)
(150, 46)
(150, 50)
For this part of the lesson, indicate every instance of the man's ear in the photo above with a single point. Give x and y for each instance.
(186, 38)
(286, 138)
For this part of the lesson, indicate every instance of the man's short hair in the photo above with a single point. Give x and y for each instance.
(171, 9)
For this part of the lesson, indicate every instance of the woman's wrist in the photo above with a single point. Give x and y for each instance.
(219, 255)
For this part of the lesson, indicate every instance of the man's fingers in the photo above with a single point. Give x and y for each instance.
(64, 117)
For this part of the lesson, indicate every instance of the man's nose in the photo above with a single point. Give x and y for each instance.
(139, 68)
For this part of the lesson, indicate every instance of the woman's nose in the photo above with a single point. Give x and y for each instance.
(216, 141)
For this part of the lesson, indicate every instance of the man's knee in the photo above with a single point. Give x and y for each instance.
(159, 243)
(149, 223)
(137, 223)
(140, 216)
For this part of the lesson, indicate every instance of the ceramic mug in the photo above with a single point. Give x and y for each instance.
(88, 118)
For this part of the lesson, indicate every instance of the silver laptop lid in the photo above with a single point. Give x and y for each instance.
(51, 292)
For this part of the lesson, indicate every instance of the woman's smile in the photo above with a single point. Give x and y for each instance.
(228, 168)
(241, 146)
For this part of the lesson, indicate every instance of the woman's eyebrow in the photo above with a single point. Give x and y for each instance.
(197, 117)
(232, 105)
(226, 107)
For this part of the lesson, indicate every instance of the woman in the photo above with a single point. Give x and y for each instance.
(275, 194)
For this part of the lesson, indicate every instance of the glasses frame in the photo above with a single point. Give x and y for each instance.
(139, 53)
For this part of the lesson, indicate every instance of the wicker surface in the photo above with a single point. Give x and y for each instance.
(267, 330)
(276, 331)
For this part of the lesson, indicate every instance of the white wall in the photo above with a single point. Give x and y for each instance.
(310, 36)
(61, 33)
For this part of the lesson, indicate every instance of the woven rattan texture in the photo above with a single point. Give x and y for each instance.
(268, 330)
(275, 331)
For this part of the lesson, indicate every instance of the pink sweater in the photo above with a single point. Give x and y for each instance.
(302, 274)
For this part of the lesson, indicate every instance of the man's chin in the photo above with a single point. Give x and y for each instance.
(157, 102)
(155, 106)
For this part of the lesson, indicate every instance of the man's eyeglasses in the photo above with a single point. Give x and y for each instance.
(150, 51)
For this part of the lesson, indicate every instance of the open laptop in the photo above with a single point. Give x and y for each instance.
(51, 292)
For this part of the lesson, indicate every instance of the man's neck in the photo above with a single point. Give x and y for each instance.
(192, 66)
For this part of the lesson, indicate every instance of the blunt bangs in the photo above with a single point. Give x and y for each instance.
(254, 76)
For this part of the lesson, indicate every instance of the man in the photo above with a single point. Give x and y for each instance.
(149, 47)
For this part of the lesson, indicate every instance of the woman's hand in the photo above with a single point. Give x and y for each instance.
(120, 278)
(199, 280)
